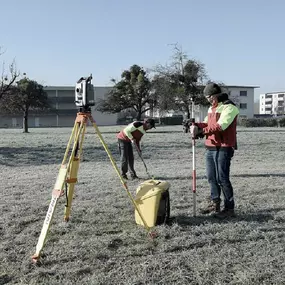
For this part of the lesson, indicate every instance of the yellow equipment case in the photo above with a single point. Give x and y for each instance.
(152, 199)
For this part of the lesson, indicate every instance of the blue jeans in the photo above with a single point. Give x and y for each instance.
(218, 173)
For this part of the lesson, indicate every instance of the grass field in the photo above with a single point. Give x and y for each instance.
(102, 244)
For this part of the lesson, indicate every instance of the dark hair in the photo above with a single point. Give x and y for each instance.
(212, 89)
(151, 122)
(222, 97)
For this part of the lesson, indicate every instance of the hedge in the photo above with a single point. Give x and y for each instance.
(282, 122)
(262, 122)
(171, 120)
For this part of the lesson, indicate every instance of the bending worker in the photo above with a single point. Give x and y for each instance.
(132, 134)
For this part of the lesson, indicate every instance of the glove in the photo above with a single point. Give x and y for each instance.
(196, 132)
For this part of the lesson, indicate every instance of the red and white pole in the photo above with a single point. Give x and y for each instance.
(193, 162)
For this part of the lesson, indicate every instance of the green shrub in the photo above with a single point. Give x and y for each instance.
(282, 122)
(258, 122)
(271, 122)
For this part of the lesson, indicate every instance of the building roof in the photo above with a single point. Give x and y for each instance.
(241, 86)
(280, 92)
(69, 87)
(59, 87)
(54, 87)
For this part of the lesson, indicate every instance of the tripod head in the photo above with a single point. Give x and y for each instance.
(84, 94)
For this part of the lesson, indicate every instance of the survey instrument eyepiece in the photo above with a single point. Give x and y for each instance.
(84, 94)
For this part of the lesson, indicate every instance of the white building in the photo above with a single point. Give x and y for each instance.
(63, 110)
(243, 96)
(272, 103)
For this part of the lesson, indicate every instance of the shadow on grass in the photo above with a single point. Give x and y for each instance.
(246, 175)
(258, 216)
(263, 130)
(5, 279)
(21, 156)
(158, 177)
(178, 145)
(212, 242)
(43, 155)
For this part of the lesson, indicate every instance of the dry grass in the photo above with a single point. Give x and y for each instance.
(102, 244)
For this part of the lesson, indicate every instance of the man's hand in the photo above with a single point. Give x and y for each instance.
(193, 131)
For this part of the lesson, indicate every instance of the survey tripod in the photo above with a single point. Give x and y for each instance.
(67, 177)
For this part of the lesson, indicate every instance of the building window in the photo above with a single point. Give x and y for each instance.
(243, 93)
(243, 105)
(261, 109)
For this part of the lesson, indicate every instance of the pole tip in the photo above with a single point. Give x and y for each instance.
(35, 258)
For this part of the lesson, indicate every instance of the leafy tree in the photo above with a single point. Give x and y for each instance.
(164, 92)
(8, 78)
(25, 96)
(184, 79)
(133, 91)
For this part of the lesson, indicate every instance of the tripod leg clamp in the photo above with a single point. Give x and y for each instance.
(71, 180)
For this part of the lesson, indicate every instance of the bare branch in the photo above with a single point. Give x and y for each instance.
(8, 78)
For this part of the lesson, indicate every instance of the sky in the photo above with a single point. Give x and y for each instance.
(58, 41)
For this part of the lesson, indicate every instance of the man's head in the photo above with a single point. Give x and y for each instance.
(149, 124)
(211, 92)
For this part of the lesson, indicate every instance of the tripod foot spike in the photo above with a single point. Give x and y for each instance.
(66, 219)
(153, 234)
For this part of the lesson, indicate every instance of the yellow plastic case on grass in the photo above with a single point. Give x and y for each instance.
(152, 199)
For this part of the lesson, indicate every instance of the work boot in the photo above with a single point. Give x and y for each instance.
(212, 207)
(125, 176)
(134, 177)
(225, 213)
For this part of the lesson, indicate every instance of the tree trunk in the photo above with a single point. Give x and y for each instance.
(25, 122)
(188, 113)
(139, 114)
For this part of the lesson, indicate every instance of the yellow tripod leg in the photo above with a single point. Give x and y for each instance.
(71, 184)
(55, 195)
(74, 166)
(118, 172)
(73, 174)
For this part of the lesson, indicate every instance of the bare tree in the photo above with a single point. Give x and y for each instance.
(8, 77)
(181, 82)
